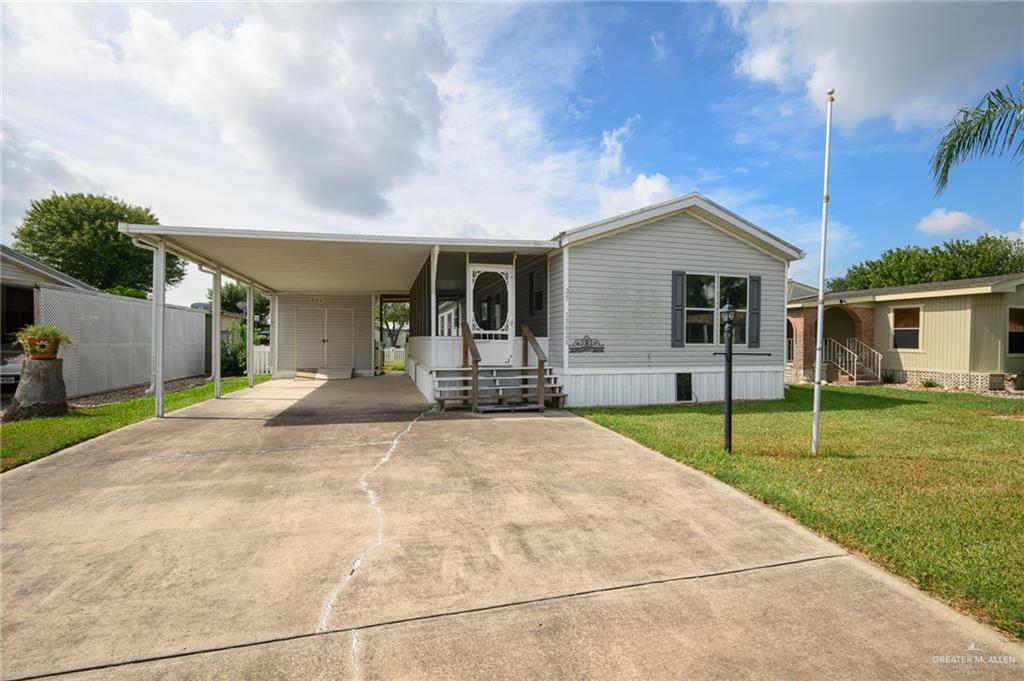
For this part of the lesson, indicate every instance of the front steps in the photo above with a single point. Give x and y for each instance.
(500, 388)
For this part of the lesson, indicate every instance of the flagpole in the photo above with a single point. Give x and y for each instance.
(818, 352)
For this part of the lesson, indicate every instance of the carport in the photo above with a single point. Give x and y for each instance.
(324, 290)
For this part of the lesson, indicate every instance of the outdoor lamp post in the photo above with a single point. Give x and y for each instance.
(728, 314)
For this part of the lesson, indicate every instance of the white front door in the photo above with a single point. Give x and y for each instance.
(491, 304)
(325, 337)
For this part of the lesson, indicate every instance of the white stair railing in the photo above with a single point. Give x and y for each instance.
(870, 358)
(844, 358)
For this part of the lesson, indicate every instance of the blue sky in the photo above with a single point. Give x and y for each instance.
(512, 120)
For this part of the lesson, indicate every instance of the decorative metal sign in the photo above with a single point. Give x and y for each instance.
(586, 344)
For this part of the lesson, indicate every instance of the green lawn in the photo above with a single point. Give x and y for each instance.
(394, 365)
(24, 441)
(928, 484)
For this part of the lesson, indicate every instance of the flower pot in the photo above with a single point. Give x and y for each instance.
(42, 347)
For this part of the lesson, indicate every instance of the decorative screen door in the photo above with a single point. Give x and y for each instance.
(491, 306)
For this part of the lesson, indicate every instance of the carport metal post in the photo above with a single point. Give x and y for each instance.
(433, 290)
(159, 276)
(215, 333)
(250, 313)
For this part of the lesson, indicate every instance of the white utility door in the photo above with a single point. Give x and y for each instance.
(491, 301)
(341, 337)
(325, 338)
(310, 338)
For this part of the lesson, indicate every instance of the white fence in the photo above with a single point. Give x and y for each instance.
(394, 354)
(261, 359)
(110, 336)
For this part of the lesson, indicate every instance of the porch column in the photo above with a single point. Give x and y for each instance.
(250, 314)
(273, 333)
(215, 333)
(433, 290)
(159, 276)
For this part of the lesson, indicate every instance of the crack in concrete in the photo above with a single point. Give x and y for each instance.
(373, 501)
(426, 617)
(357, 671)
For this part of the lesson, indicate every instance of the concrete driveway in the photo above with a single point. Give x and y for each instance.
(337, 530)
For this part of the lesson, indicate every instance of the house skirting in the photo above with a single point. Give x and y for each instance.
(946, 379)
(596, 387)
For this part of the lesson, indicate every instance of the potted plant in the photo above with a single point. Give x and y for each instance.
(41, 341)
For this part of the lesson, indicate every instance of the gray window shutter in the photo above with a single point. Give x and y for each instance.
(678, 309)
(754, 313)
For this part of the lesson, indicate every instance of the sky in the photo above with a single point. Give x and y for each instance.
(509, 120)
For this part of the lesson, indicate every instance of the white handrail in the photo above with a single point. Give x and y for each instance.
(870, 358)
(844, 358)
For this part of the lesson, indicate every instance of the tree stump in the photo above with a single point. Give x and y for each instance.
(40, 391)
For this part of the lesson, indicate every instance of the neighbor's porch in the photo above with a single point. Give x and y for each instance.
(848, 338)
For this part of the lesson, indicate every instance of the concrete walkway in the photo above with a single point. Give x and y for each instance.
(337, 530)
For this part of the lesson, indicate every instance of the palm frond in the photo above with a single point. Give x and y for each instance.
(989, 128)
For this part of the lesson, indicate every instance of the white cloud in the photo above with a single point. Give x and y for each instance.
(644, 190)
(941, 221)
(911, 62)
(31, 170)
(661, 48)
(337, 108)
(1012, 234)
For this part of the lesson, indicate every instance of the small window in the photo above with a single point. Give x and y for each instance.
(1015, 342)
(700, 308)
(536, 292)
(906, 328)
(684, 387)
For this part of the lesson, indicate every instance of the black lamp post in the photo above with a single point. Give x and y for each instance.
(728, 314)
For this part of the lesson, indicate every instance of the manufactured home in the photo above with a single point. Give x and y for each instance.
(623, 311)
(967, 333)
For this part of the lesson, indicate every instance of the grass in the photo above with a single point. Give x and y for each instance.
(24, 441)
(394, 365)
(928, 484)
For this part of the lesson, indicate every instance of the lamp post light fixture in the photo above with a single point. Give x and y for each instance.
(728, 315)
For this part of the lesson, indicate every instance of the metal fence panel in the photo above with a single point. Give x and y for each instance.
(111, 339)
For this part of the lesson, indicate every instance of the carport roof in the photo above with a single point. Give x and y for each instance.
(311, 262)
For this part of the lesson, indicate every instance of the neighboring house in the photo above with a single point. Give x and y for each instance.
(20, 279)
(794, 290)
(967, 333)
(625, 310)
(110, 334)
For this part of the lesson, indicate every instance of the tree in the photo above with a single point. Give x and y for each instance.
(233, 294)
(396, 320)
(77, 234)
(989, 128)
(988, 255)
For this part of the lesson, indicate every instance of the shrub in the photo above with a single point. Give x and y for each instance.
(127, 291)
(889, 377)
(232, 351)
(929, 383)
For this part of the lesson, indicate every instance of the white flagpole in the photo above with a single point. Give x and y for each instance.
(816, 428)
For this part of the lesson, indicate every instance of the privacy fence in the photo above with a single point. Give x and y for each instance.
(112, 339)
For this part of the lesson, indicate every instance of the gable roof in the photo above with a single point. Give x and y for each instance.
(1000, 283)
(47, 274)
(700, 207)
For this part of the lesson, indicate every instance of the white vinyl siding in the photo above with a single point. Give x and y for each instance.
(621, 294)
(286, 332)
(556, 337)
